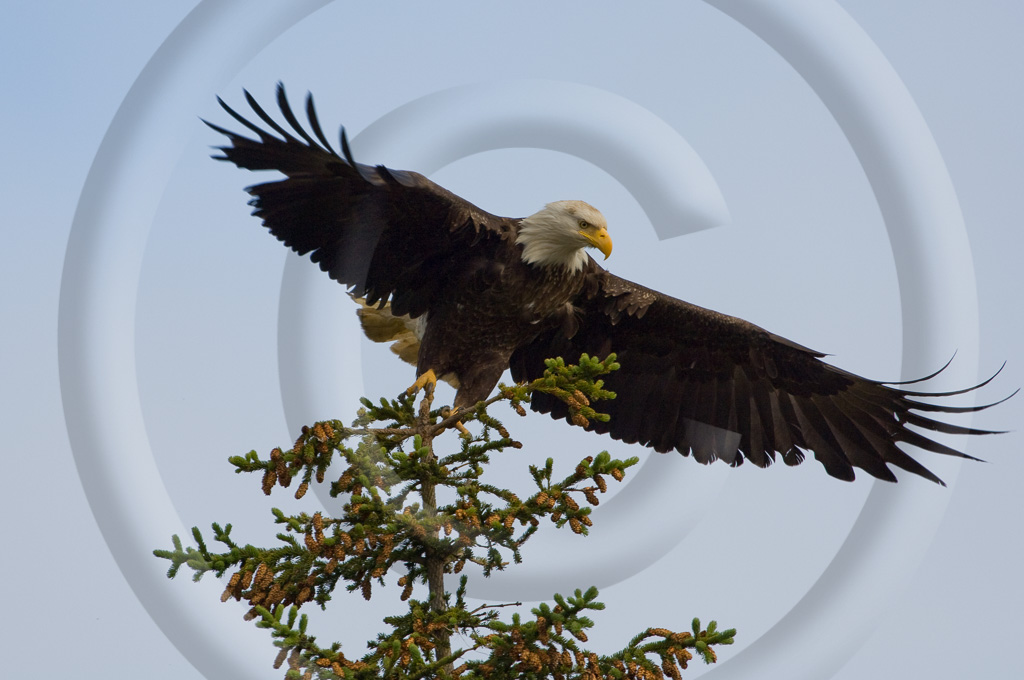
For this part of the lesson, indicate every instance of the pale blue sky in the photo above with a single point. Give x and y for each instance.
(806, 255)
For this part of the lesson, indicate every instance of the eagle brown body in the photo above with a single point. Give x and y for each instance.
(513, 306)
(469, 294)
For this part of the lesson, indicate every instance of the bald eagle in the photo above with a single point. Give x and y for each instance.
(465, 294)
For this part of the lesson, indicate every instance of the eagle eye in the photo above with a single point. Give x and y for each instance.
(583, 224)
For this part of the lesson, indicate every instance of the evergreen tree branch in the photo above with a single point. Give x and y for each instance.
(392, 520)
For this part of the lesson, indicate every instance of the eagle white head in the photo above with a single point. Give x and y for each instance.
(560, 233)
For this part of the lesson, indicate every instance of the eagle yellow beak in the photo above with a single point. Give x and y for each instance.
(600, 240)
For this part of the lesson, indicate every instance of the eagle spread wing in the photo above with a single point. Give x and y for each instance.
(382, 232)
(695, 380)
(691, 379)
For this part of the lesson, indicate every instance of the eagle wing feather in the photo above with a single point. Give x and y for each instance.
(389, 235)
(716, 386)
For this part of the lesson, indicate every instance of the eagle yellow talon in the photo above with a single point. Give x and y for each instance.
(428, 378)
(448, 413)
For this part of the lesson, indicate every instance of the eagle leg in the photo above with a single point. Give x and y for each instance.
(447, 413)
(428, 378)
(458, 423)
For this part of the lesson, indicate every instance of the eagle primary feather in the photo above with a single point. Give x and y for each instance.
(469, 294)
